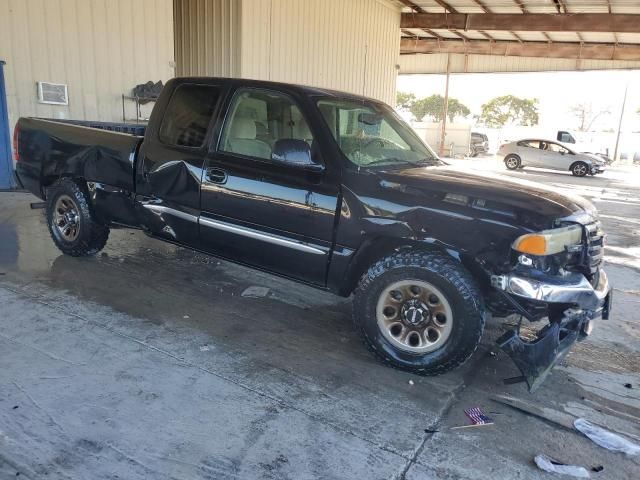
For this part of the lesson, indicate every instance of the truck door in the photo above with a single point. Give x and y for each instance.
(260, 209)
(173, 156)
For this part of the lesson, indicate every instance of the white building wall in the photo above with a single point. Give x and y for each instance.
(207, 37)
(350, 45)
(99, 48)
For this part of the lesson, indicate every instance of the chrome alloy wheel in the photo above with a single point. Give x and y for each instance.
(414, 316)
(512, 162)
(66, 218)
(580, 170)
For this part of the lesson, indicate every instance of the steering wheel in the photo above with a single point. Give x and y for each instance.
(381, 143)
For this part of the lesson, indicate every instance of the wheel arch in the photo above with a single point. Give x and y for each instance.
(576, 162)
(375, 248)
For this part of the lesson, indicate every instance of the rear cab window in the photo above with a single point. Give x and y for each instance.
(188, 115)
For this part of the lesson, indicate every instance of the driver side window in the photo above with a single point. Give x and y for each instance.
(258, 119)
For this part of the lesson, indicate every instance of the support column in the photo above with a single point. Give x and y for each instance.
(445, 107)
(624, 102)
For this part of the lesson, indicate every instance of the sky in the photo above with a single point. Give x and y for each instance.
(556, 92)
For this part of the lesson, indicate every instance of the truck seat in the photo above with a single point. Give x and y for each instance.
(242, 139)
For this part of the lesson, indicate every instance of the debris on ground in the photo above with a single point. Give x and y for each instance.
(477, 418)
(606, 439)
(559, 418)
(206, 348)
(256, 292)
(411, 382)
(597, 468)
(628, 385)
(185, 316)
(553, 466)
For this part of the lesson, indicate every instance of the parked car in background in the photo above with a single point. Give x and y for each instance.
(479, 144)
(549, 154)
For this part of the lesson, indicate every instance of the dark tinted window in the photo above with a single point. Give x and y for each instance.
(187, 116)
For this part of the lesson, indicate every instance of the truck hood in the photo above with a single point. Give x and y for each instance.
(527, 205)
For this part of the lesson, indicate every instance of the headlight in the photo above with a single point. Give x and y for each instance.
(548, 242)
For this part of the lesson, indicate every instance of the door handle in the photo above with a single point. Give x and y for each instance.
(216, 175)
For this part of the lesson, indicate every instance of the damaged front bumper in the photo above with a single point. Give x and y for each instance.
(584, 303)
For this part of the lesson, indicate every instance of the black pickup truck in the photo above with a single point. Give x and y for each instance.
(336, 191)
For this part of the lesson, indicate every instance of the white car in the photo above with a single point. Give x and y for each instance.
(549, 154)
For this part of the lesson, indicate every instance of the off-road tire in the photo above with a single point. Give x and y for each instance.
(579, 169)
(460, 290)
(512, 162)
(92, 235)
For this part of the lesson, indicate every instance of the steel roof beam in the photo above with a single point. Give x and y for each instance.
(529, 22)
(584, 51)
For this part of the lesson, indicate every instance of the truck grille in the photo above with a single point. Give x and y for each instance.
(595, 245)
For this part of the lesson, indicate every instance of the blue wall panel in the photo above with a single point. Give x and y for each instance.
(6, 164)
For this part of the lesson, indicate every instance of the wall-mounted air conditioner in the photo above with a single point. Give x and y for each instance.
(53, 93)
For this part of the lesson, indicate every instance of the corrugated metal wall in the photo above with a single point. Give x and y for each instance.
(207, 37)
(437, 63)
(99, 48)
(346, 45)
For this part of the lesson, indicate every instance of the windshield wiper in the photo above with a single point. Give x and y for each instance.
(390, 161)
(428, 161)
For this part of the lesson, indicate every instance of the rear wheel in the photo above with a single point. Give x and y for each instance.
(72, 223)
(512, 162)
(420, 312)
(579, 169)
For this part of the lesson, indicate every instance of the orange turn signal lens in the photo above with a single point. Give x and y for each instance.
(548, 242)
(532, 244)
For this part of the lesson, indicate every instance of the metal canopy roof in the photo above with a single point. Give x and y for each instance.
(603, 30)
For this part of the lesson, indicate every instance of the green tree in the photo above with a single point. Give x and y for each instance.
(404, 100)
(456, 109)
(509, 110)
(432, 106)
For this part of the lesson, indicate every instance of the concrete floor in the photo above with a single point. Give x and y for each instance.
(146, 362)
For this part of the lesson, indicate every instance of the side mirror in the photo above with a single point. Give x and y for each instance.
(296, 153)
(561, 152)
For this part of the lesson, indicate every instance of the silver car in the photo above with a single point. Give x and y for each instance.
(549, 154)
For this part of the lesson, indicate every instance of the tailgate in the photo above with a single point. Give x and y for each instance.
(54, 149)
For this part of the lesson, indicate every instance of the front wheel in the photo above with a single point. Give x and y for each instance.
(512, 162)
(579, 169)
(72, 223)
(419, 311)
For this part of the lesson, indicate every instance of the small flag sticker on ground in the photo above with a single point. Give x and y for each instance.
(477, 417)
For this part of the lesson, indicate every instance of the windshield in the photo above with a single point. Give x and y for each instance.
(373, 134)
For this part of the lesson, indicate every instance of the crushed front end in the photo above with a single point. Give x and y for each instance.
(556, 274)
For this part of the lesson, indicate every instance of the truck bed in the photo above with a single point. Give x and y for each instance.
(136, 129)
(48, 149)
